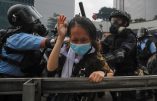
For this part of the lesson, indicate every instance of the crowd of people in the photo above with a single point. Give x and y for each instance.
(121, 53)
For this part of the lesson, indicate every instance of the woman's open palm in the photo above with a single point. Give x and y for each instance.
(62, 26)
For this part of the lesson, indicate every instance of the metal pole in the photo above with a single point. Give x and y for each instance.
(82, 9)
(28, 91)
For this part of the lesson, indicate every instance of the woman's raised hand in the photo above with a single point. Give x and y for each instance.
(62, 26)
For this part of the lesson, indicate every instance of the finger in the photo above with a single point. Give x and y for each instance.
(99, 79)
(64, 18)
(96, 79)
(61, 18)
(91, 77)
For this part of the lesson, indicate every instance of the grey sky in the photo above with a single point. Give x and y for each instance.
(92, 6)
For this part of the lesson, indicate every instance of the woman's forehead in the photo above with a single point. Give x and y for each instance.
(78, 28)
(79, 31)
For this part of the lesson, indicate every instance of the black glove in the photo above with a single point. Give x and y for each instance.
(119, 55)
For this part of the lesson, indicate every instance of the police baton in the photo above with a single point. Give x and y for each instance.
(82, 9)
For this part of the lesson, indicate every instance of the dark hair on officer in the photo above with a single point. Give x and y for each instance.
(86, 24)
(121, 14)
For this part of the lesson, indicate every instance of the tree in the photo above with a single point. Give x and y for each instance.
(104, 13)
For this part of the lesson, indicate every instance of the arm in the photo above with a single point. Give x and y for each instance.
(98, 76)
(110, 73)
(102, 70)
(25, 41)
(54, 56)
(127, 46)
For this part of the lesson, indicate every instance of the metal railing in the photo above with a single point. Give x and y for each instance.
(32, 88)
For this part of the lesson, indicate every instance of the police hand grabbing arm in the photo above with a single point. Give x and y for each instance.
(119, 55)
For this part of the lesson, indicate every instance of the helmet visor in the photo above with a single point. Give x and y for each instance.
(35, 14)
(30, 14)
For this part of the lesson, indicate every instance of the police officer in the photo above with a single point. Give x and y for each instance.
(145, 46)
(152, 67)
(20, 45)
(121, 50)
(145, 49)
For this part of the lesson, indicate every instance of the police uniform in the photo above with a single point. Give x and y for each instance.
(19, 41)
(121, 45)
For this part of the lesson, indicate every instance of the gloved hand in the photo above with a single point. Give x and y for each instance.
(121, 29)
(119, 55)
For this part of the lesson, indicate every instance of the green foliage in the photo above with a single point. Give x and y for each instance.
(104, 13)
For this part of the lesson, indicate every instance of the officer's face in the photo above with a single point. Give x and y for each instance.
(116, 21)
(79, 35)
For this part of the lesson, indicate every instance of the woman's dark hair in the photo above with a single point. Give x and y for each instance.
(86, 24)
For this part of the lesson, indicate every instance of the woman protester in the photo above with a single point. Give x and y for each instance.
(79, 57)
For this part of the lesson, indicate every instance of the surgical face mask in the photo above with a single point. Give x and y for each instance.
(80, 49)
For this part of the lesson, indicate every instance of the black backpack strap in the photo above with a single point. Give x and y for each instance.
(10, 61)
(8, 33)
(15, 51)
(5, 34)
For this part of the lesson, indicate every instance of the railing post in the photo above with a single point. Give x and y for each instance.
(28, 91)
(38, 89)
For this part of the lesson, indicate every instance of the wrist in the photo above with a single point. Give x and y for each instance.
(61, 38)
